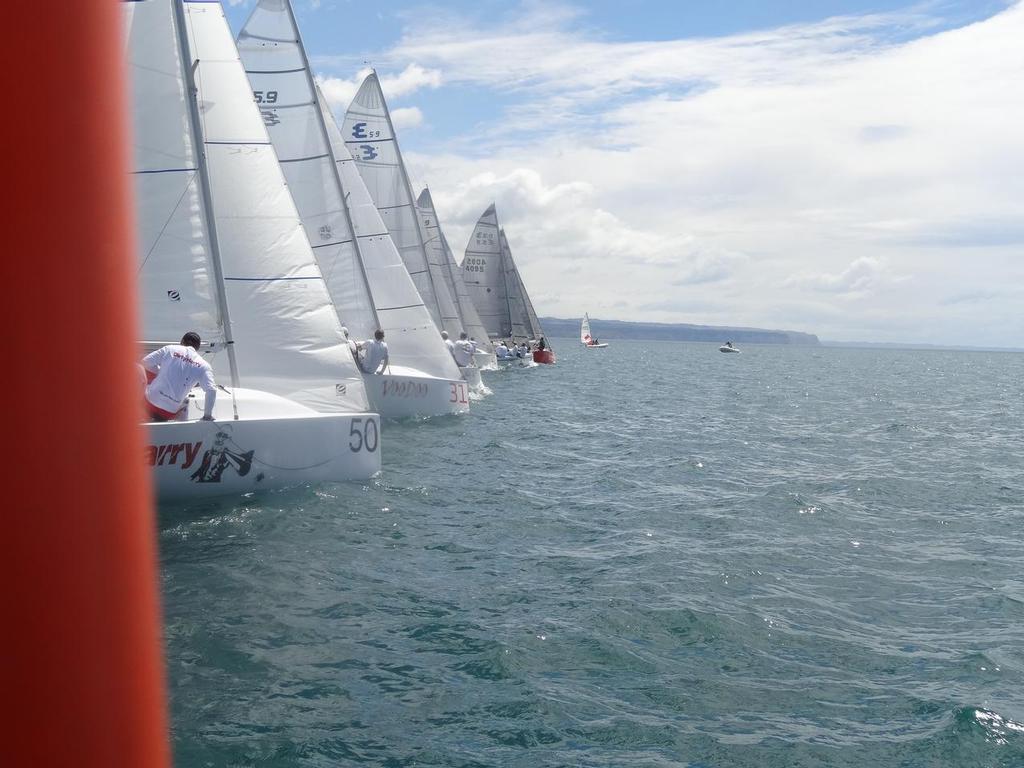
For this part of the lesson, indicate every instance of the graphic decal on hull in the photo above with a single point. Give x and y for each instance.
(211, 466)
(219, 458)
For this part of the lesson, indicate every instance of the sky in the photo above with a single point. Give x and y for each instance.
(850, 168)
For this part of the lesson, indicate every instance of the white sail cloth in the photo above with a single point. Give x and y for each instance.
(370, 137)
(484, 275)
(437, 244)
(523, 314)
(286, 336)
(367, 279)
(494, 283)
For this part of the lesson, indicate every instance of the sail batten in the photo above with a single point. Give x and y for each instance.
(367, 277)
(370, 136)
(240, 234)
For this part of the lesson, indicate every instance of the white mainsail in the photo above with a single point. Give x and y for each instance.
(520, 306)
(227, 210)
(437, 242)
(365, 274)
(494, 283)
(484, 275)
(177, 287)
(585, 329)
(370, 137)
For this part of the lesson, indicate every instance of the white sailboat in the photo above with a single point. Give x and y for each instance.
(367, 279)
(222, 252)
(370, 137)
(496, 288)
(435, 240)
(585, 338)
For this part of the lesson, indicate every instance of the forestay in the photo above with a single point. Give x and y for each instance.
(370, 136)
(438, 243)
(365, 274)
(287, 339)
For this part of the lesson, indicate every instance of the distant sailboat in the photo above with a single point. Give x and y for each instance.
(497, 290)
(222, 252)
(585, 338)
(367, 279)
(468, 316)
(728, 347)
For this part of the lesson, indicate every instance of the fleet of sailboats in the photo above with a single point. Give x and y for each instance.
(281, 238)
(368, 282)
(496, 288)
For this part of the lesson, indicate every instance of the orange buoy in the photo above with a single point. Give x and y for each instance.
(83, 673)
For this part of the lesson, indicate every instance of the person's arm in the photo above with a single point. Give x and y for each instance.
(154, 360)
(384, 362)
(210, 388)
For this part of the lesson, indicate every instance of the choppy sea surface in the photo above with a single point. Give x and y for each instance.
(648, 555)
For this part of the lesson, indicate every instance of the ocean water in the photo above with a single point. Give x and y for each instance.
(649, 555)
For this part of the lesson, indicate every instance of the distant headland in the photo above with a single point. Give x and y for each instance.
(621, 329)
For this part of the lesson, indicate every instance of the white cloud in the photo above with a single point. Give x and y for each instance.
(748, 179)
(861, 276)
(339, 90)
(405, 118)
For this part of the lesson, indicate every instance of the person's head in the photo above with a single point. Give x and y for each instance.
(462, 336)
(378, 335)
(191, 339)
(344, 331)
(444, 335)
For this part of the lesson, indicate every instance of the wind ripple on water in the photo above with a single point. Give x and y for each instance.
(653, 555)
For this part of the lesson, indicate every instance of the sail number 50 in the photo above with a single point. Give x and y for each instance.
(362, 436)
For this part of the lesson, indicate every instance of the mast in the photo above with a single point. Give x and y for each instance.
(205, 189)
(412, 200)
(315, 90)
(504, 274)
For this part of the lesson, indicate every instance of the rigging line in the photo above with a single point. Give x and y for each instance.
(167, 222)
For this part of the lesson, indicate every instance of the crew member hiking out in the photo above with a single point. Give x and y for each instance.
(172, 372)
(375, 354)
(463, 350)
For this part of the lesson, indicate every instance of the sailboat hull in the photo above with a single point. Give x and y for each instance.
(398, 396)
(485, 361)
(472, 377)
(196, 459)
(595, 346)
(544, 356)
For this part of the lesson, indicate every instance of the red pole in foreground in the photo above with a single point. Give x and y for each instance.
(82, 676)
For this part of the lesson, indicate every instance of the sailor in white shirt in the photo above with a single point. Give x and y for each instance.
(448, 343)
(375, 354)
(501, 351)
(352, 346)
(462, 351)
(172, 372)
